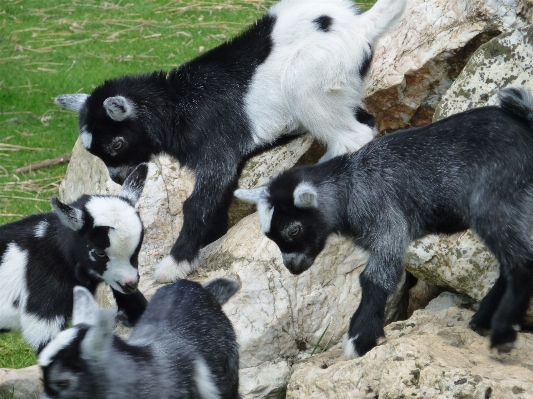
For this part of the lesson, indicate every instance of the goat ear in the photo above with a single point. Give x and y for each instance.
(74, 102)
(85, 307)
(381, 18)
(305, 196)
(119, 108)
(252, 195)
(97, 342)
(134, 184)
(69, 216)
(223, 289)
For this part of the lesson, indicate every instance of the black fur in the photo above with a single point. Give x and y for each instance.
(471, 170)
(324, 23)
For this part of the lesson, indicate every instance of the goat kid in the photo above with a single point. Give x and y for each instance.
(298, 68)
(471, 170)
(42, 257)
(183, 347)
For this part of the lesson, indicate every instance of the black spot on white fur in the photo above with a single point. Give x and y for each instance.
(323, 23)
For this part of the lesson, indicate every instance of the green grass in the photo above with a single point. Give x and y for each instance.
(51, 48)
(14, 352)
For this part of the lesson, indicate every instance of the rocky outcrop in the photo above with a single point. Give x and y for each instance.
(21, 383)
(432, 355)
(418, 61)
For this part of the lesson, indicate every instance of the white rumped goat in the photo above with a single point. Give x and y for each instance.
(183, 347)
(44, 256)
(470, 170)
(301, 67)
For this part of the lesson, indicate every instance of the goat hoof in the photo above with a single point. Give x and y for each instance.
(169, 271)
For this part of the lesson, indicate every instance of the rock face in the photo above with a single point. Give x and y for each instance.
(418, 61)
(432, 355)
(279, 317)
(504, 61)
(21, 383)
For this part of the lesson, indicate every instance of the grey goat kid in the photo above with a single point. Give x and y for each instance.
(471, 170)
(183, 347)
(95, 239)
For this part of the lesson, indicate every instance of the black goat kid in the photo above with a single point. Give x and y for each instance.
(471, 170)
(299, 68)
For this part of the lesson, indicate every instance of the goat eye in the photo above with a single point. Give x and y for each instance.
(100, 254)
(295, 231)
(63, 384)
(117, 145)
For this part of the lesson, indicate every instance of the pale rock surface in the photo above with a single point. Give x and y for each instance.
(503, 61)
(279, 317)
(421, 294)
(24, 383)
(418, 60)
(432, 355)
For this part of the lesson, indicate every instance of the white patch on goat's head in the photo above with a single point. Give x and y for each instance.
(86, 137)
(305, 195)
(40, 229)
(13, 289)
(265, 212)
(124, 237)
(204, 380)
(38, 331)
(61, 341)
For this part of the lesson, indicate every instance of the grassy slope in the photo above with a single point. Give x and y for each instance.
(50, 48)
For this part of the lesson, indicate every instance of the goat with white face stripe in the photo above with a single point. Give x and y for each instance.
(470, 170)
(301, 67)
(183, 347)
(95, 239)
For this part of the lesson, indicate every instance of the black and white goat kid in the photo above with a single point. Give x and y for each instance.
(42, 257)
(471, 170)
(183, 347)
(298, 68)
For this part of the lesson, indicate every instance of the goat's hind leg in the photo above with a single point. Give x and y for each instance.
(506, 304)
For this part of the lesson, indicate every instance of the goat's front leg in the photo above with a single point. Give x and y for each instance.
(133, 305)
(202, 213)
(378, 281)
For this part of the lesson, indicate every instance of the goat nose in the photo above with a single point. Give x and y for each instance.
(129, 287)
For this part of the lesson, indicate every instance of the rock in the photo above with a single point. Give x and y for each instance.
(504, 61)
(279, 317)
(24, 383)
(432, 355)
(420, 295)
(418, 61)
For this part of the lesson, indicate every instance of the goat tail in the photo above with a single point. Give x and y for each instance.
(517, 101)
(223, 289)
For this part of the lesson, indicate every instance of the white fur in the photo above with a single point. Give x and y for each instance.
(85, 307)
(204, 380)
(124, 236)
(348, 348)
(305, 196)
(40, 229)
(12, 286)
(37, 331)
(252, 195)
(62, 340)
(168, 270)
(265, 212)
(86, 137)
(310, 80)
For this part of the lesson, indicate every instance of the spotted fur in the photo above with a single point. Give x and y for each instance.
(42, 257)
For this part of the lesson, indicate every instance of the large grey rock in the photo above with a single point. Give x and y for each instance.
(419, 59)
(504, 61)
(432, 355)
(24, 383)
